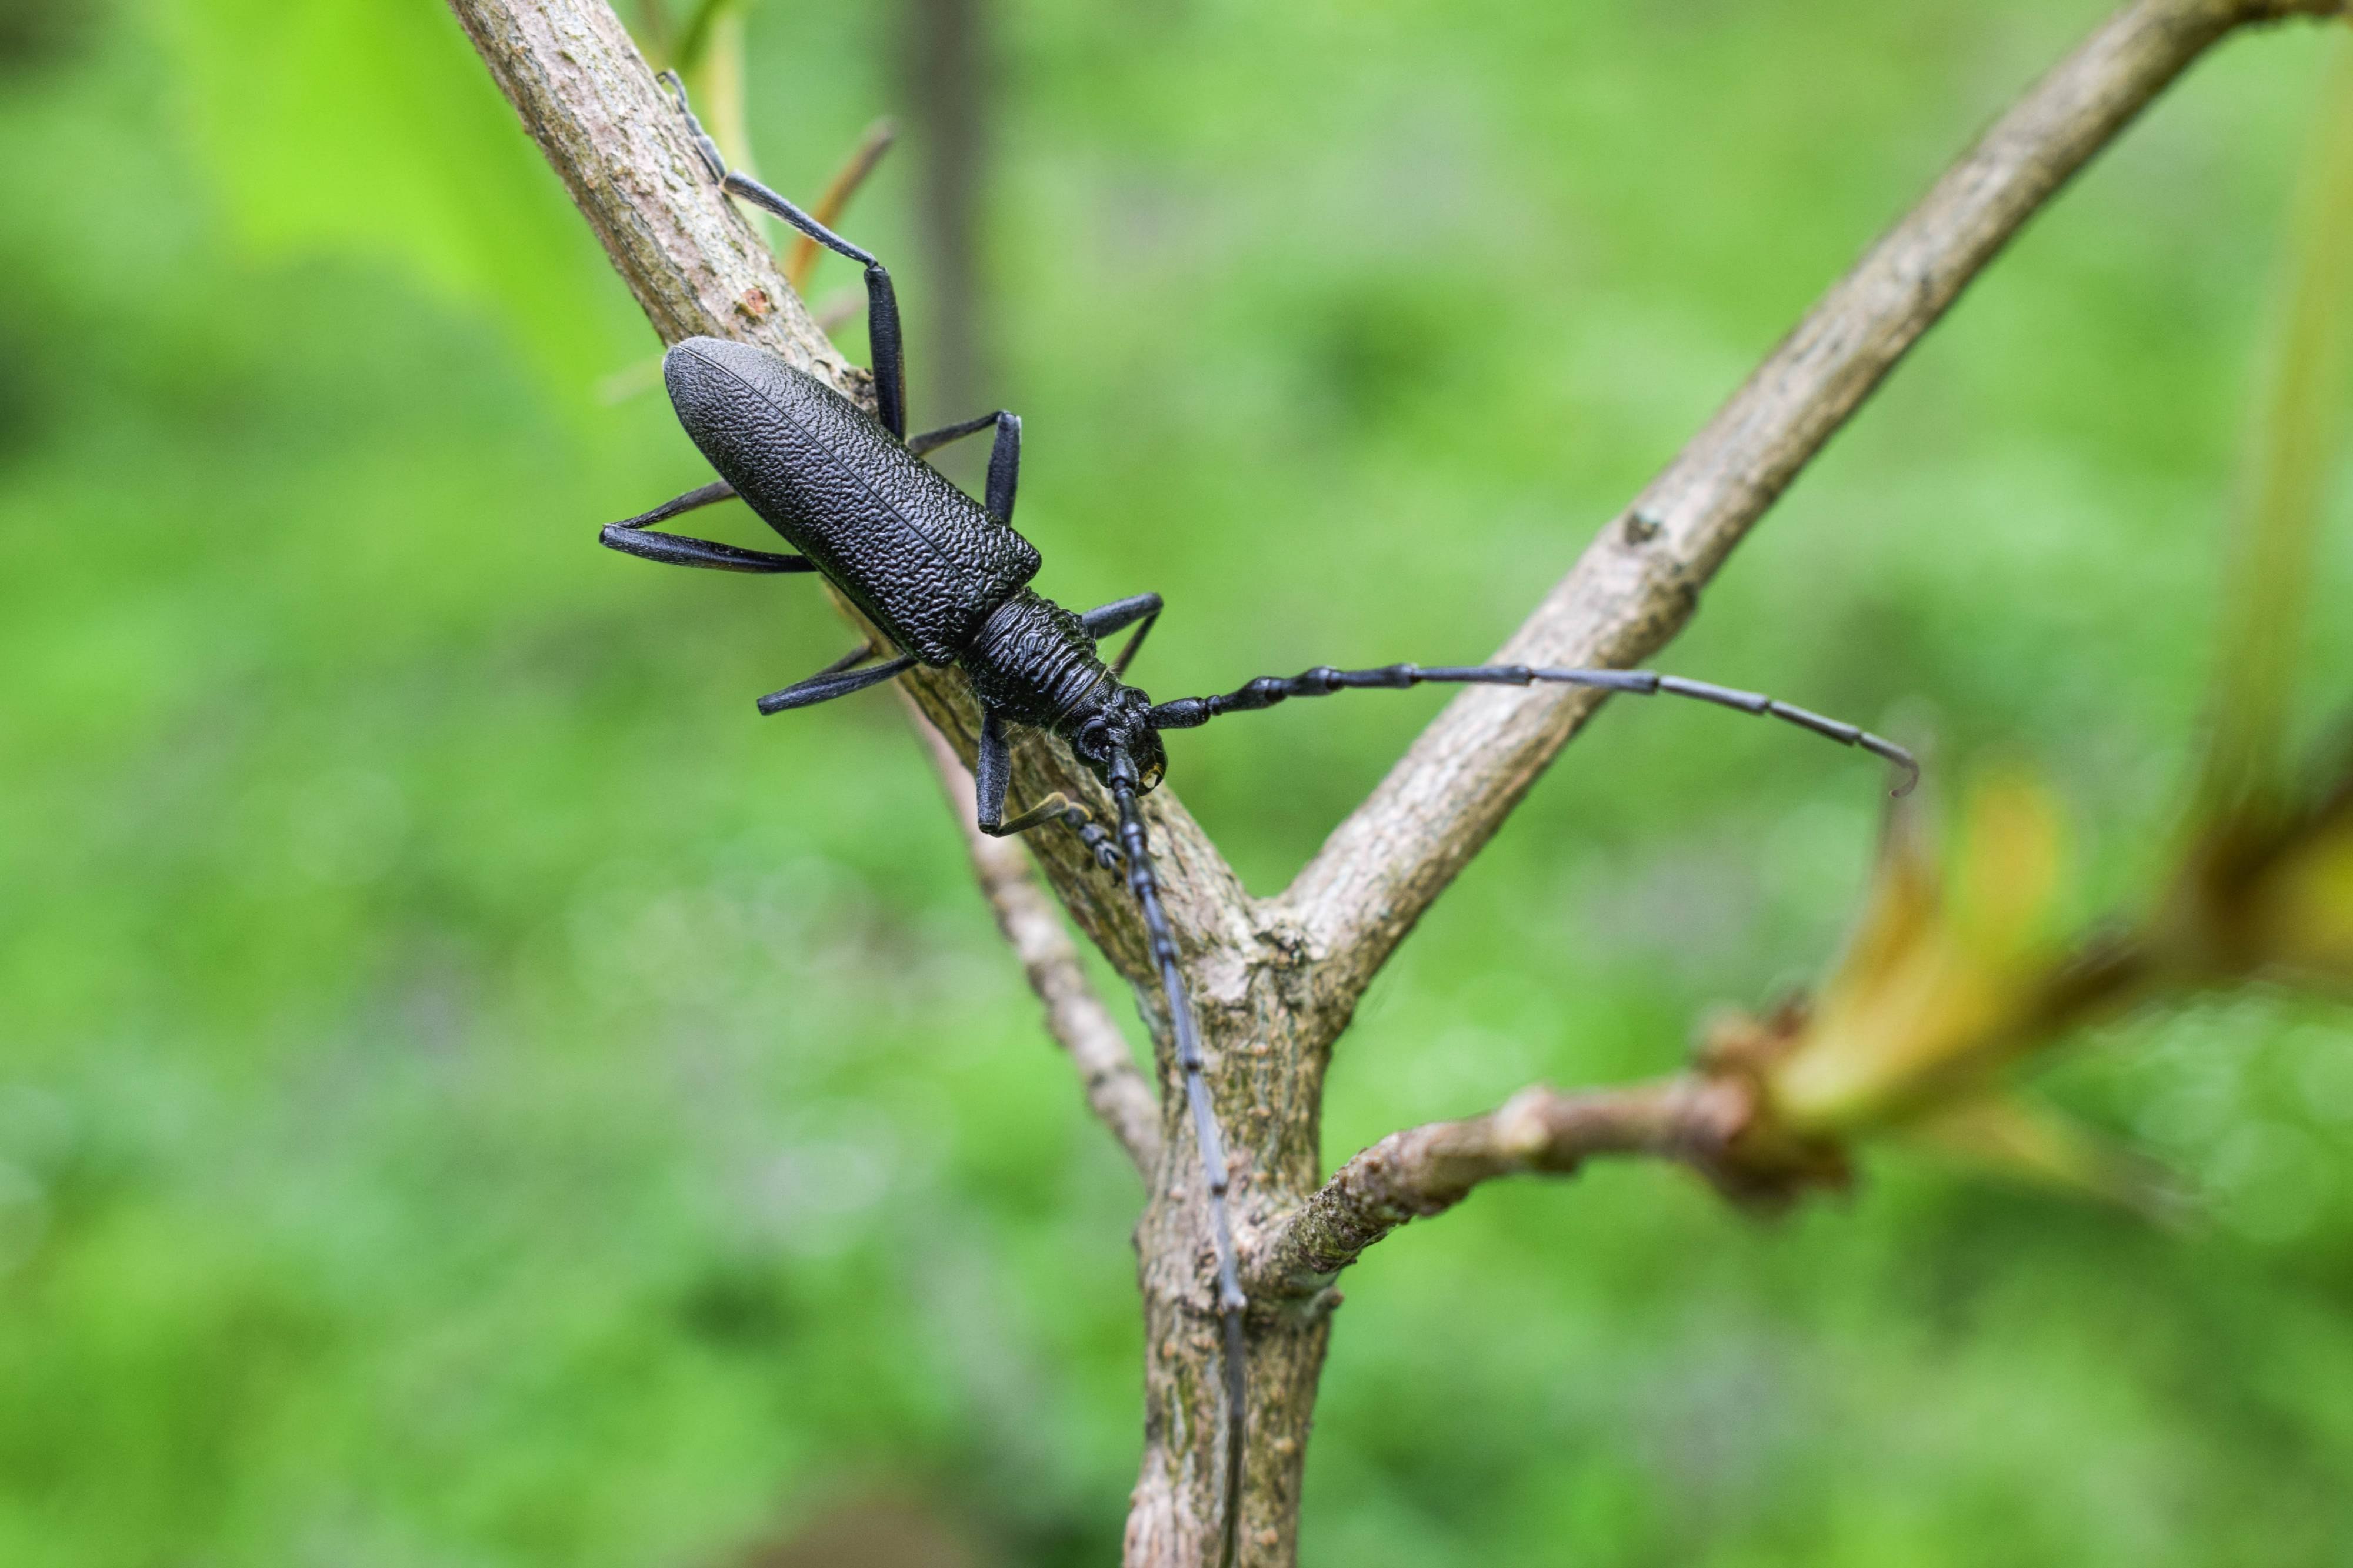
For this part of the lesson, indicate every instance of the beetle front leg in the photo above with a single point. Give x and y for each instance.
(991, 777)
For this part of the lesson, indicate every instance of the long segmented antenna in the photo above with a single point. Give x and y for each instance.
(1267, 690)
(1206, 1133)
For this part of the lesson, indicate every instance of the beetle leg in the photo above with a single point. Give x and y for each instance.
(1053, 808)
(632, 536)
(702, 142)
(868, 152)
(992, 775)
(1004, 456)
(835, 679)
(851, 659)
(1059, 808)
(882, 300)
(1105, 619)
(1101, 844)
(678, 550)
(700, 496)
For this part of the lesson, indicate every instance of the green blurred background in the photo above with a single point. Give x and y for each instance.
(471, 1094)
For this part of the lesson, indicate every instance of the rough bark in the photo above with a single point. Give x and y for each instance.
(1275, 981)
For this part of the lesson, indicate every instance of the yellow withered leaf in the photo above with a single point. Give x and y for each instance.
(1940, 983)
(2301, 912)
(2020, 1139)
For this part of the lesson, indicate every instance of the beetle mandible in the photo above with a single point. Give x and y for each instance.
(946, 580)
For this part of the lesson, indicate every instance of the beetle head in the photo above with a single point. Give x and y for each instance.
(1121, 722)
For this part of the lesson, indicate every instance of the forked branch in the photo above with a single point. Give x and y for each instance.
(1276, 982)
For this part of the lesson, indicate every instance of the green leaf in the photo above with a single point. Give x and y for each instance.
(368, 127)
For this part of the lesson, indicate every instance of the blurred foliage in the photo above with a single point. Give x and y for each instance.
(1951, 978)
(2300, 418)
(363, 129)
(1948, 979)
(36, 33)
(471, 1094)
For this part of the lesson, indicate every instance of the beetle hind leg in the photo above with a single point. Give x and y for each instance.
(882, 330)
(678, 550)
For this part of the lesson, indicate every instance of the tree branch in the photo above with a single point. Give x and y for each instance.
(1275, 982)
(696, 266)
(1075, 1016)
(1427, 1170)
(1639, 581)
(694, 263)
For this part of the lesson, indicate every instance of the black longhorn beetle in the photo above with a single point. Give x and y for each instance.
(947, 581)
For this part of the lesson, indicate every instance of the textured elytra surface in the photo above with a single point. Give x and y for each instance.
(924, 559)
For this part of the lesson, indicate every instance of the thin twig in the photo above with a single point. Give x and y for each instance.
(1075, 1016)
(1639, 581)
(1428, 1170)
